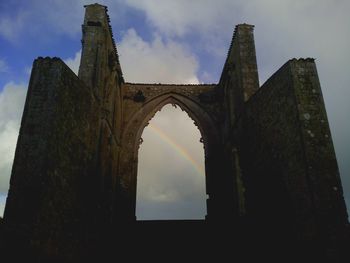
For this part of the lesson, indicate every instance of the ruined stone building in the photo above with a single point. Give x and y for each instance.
(272, 179)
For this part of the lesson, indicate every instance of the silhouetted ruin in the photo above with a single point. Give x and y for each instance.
(272, 178)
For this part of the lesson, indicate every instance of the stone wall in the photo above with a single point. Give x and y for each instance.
(50, 189)
(239, 78)
(289, 167)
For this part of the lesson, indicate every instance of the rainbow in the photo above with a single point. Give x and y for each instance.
(179, 149)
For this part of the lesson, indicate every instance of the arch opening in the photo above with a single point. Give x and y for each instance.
(171, 170)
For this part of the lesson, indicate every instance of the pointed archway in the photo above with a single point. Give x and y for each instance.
(171, 174)
(140, 109)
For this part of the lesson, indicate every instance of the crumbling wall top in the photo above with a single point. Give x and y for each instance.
(107, 22)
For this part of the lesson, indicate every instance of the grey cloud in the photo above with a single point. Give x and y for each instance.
(169, 187)
(11, 26)
(158, 61)
(178, 18)
(3, 66)
(11, 106)
(2, 203)
(74, 63)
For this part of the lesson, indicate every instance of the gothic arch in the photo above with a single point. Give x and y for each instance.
(138, 118)
(195, 111)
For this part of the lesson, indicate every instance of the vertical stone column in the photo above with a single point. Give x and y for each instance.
(238, 82)
(94, 30)
(100, 70)
(99, 60)
(239, 78)
(243, 55)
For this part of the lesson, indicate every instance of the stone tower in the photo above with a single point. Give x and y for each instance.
(271, 173)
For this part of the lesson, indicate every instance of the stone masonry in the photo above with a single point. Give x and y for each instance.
(272, 179)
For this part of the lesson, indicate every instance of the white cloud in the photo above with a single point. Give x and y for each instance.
(182, 16)
(210, 22)
(28, 70)
(2, 204)
(159, 61)
(12, 99)
(11, 26)
(168, 185)
(3, 66)
(74, 63)
(284, 29)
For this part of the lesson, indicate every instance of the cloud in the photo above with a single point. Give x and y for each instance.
(178, 18)
(12, 99)
(3, 66)
(12, 25)
(27, 70)
(2, 204)
(74, 63)
(156, 61)
(208, 24)
(283, 28)
(168, 184)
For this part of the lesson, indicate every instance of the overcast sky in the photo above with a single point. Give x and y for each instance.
(188, 41)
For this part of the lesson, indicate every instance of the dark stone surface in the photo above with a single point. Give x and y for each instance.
(272, 179)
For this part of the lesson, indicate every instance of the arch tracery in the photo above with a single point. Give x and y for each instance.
(141, 118)
(138, 115)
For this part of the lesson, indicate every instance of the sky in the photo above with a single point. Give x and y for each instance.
(171, 176)
(188, 41)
